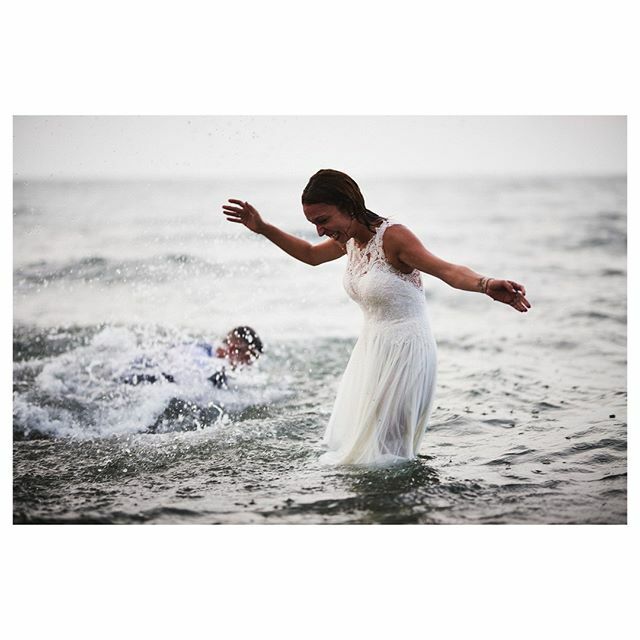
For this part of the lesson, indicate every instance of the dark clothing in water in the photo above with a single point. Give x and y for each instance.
(218, 379)
(139, 378)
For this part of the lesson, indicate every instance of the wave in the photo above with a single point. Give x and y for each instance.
(510, 456)
(163, 268)
(599, 315)
(615, 444)
(100, 382)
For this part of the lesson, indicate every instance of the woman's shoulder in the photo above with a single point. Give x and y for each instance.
(396, 232)
(398, 238)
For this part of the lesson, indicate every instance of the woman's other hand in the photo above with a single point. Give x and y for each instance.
(509, 292)
(243, 213)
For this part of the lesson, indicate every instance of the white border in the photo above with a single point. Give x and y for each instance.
(329, 58)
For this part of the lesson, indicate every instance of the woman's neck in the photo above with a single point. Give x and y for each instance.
(360, 233)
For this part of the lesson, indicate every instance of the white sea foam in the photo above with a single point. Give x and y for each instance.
(87, 391)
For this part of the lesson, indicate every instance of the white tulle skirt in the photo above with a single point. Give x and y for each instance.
(385, 396)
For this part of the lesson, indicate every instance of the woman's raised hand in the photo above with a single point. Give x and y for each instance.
(509, 292)
(243, 213)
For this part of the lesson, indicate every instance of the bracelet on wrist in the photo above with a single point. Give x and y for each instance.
(484, 284)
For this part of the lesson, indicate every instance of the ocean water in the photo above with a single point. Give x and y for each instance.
(530, 416)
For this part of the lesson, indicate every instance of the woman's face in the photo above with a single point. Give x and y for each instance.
(329, 221)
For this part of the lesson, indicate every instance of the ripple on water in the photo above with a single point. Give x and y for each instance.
(605, 443)
(510, 456)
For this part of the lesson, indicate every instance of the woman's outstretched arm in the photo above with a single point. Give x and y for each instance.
(405, 251)
(313, 254)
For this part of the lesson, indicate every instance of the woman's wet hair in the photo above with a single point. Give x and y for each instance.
(248, 335)
(329, 186)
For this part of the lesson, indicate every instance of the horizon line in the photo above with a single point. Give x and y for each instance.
(283, 177)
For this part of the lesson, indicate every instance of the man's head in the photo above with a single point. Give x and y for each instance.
(241, 346)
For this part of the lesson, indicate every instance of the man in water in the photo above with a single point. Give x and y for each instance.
(241, 347)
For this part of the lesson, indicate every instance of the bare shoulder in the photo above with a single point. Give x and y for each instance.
(398, 235)
(396, 242)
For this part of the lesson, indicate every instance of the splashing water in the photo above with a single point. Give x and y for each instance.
(114, 279)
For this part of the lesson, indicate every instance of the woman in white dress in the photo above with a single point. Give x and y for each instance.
(386, 393)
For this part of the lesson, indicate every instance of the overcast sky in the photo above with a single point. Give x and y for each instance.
(296, 146)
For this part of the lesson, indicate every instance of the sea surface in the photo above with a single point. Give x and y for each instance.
(530, 417)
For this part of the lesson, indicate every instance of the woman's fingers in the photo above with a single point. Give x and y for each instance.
(522, 300)
(511, 293)
(227, 207)
(518, 300)
(521, 303)
(241, 210)
(518, 287)
(236, 213)
(242, 205)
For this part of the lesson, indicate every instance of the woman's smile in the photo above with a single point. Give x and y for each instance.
(329, 221)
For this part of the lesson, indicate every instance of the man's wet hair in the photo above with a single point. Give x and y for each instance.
(250, 337)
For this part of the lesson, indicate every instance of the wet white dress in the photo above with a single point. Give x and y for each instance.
(386, 393)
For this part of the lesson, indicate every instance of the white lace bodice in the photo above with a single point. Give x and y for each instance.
(383, 293)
